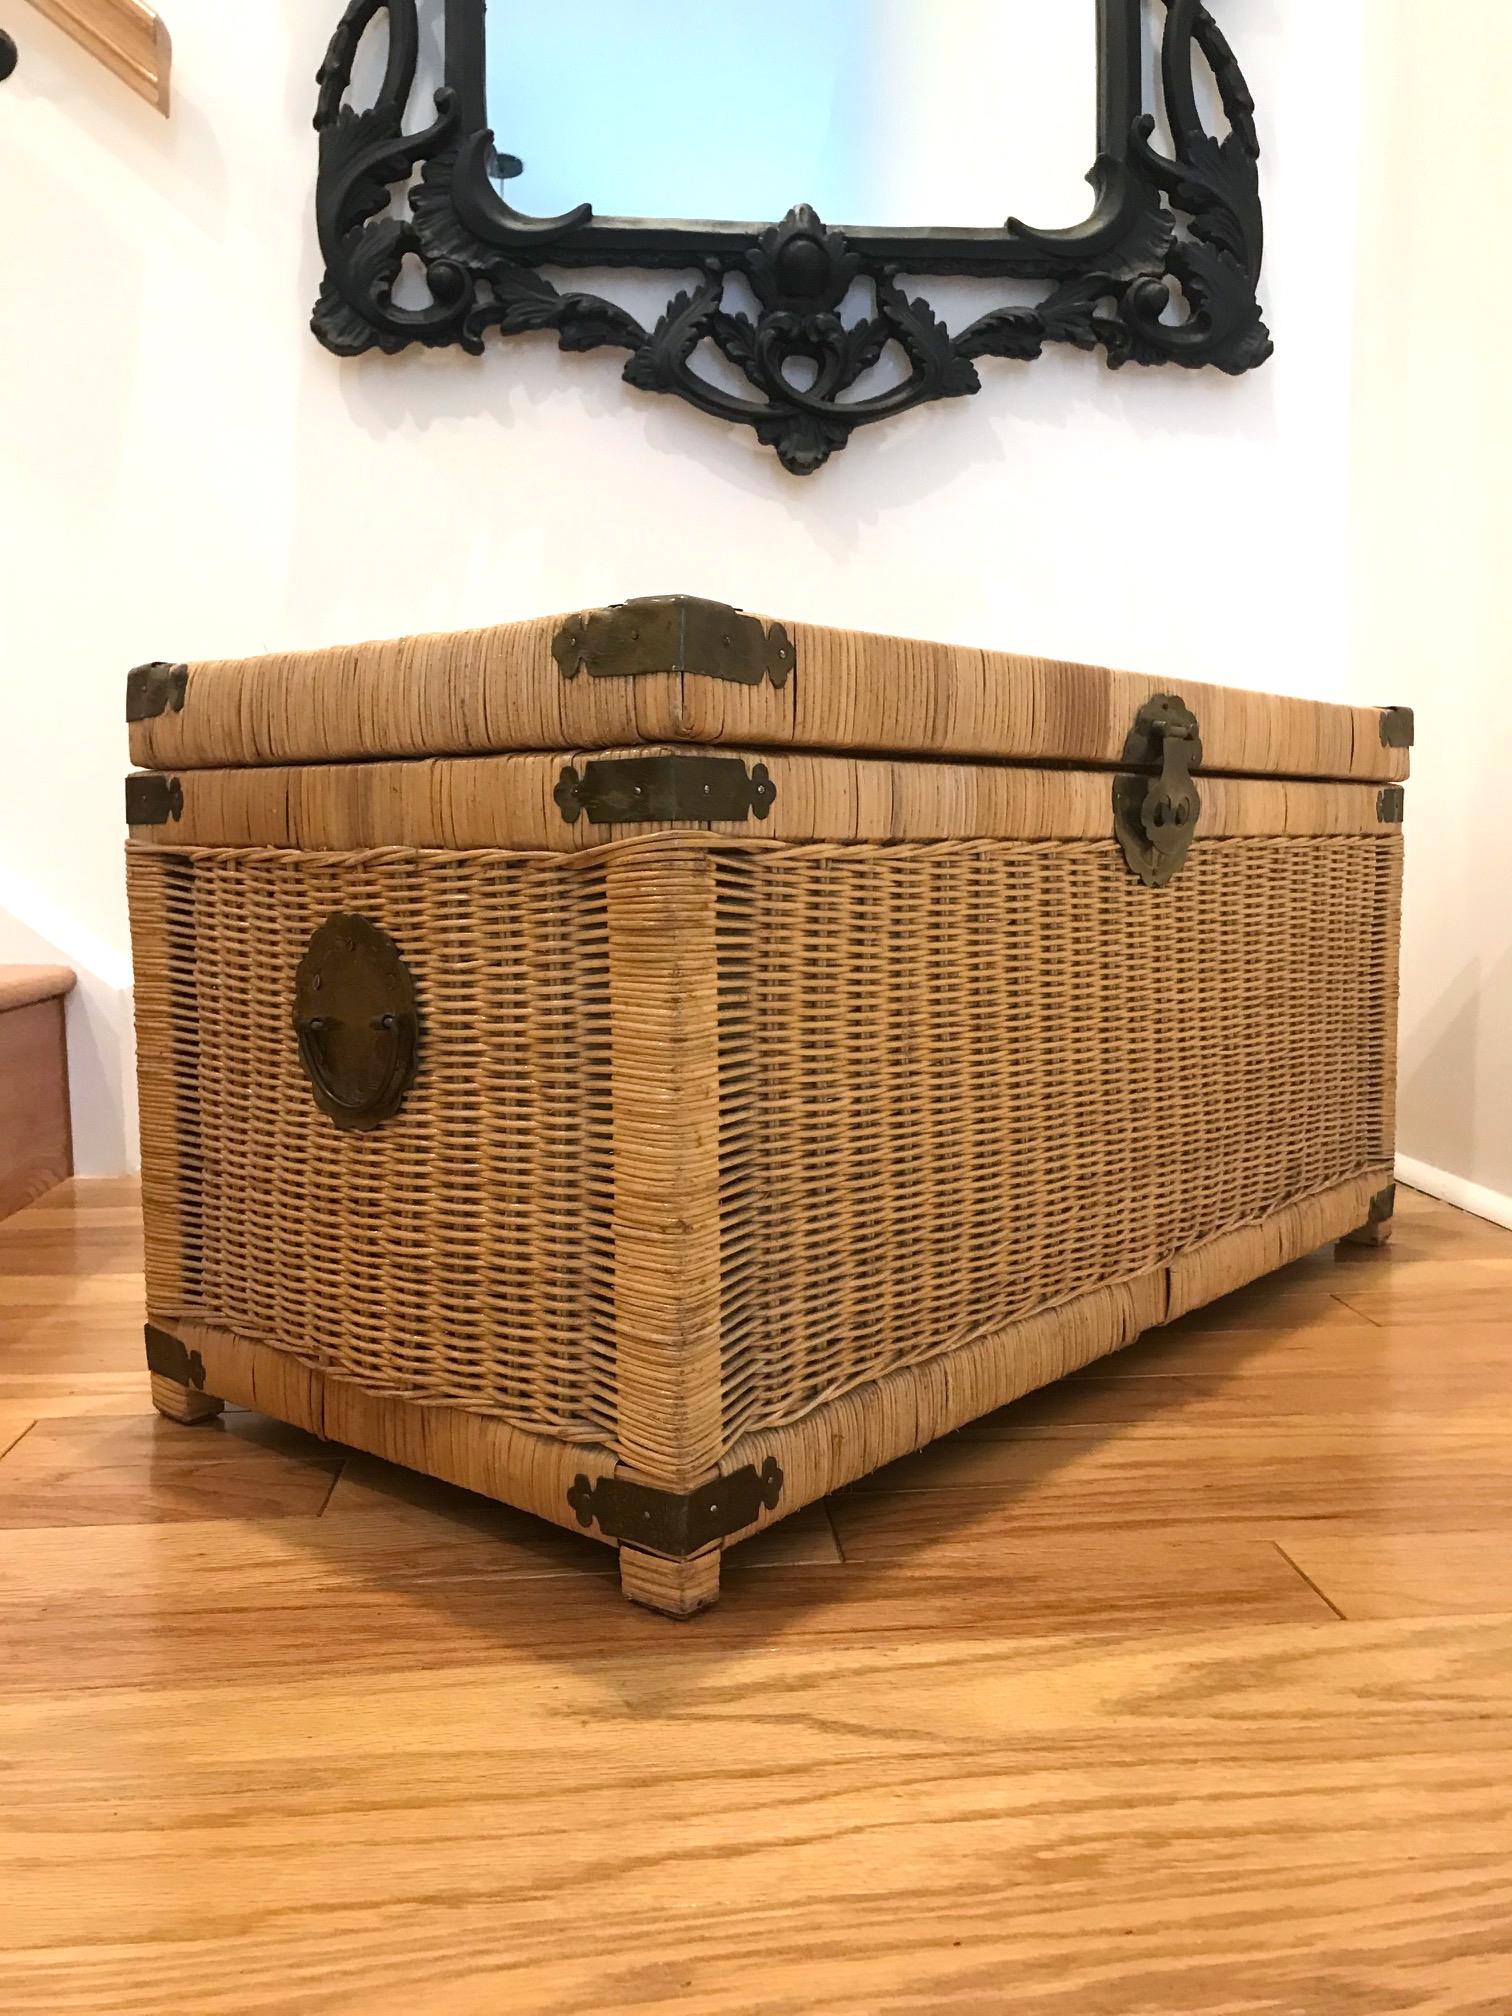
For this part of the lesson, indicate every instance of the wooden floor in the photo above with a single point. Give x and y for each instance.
(1182, 1687)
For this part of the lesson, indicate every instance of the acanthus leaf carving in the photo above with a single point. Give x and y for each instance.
(1170, 231)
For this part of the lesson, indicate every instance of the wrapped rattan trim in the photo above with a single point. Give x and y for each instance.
(163, 1069)
(500, 688)
(664, 1040)
(478, 1452)
(509, 802)
(707, 843)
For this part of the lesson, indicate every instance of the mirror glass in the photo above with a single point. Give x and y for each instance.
(885, 112)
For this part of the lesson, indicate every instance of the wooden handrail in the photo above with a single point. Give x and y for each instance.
(125, 36)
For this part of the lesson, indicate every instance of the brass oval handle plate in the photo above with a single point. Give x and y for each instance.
(1155, 818)
(356, 1021)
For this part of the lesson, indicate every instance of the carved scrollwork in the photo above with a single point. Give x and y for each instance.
(1166, 269)
(363, 155)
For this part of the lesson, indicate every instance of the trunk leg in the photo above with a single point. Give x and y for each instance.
(182, 1403)
(675, 1588)
(1376, 1231)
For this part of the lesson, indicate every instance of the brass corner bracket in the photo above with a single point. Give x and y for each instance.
(152, 799)
(170, 1358)
(1391, 805)
(677, 1523)
(156, 689)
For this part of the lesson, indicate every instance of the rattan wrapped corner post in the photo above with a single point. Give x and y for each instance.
(657, 1065)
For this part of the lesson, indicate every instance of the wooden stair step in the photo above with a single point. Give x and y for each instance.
(36, 1136)
(20, 986)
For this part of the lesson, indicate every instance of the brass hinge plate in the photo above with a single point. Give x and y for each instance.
(1398, 727)
(172, 1359)
(1391, 805)
(641, 790)
(152, 800)
(675, 633)
(156, 689)
(677, 1523)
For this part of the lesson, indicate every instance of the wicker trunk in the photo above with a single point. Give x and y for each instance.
(655, 1067)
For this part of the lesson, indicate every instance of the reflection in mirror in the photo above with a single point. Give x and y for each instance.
(886, 112)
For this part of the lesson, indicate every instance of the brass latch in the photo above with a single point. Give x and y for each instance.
(1155, 818)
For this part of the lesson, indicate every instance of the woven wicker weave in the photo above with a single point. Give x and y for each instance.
(725, 1149)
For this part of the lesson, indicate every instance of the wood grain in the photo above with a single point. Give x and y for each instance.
(127, 37)
(1369, 1573)
(88, 1471)
(1215, 1403)
(15, 1421)
(1079, 1713)
(20, 986)
(36, 1138)
(1120, 1478)
(1359, 1346)
(1473, 1298)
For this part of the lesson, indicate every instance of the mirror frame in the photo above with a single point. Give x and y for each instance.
(1184, 227)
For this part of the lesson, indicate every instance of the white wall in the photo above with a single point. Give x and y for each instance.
(187, 474)
(1433, 436)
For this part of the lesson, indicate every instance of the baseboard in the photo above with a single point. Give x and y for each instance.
(1474, 1197)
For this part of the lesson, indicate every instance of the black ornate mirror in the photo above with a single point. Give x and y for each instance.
(897, 110)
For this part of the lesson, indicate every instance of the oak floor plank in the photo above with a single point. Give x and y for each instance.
(1389, 1272)
(1366, 1573)
(1417, 1240)
(1362, 1347)
(45, 1396)
(1177, 1577)
(1183, 1405)
(1116, 1478)
(85, 1471)
(1340, 1931)
(15, 1421)
(724, 1812)
(1402, 1300)
(1184, 1689)
(1280, 1690)
(395, 1502)
(42, 1294)
(84, 1198)
(65, 1252)
(88, 1362)
(354, 1600)
(1267, 1306)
